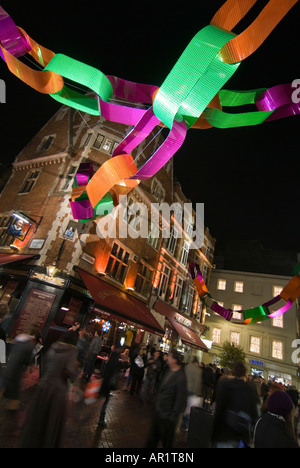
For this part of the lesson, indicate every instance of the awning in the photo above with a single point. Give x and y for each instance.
(119, 305)
(169, 312)
(188, 336)
(10, 258)
(183, 325)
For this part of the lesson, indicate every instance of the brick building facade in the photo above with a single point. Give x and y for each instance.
(148, 269)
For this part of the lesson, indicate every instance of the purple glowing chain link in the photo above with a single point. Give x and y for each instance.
(10, 37)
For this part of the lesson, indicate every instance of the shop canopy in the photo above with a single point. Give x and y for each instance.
(182, 325)
(119, 305)
(10, 258)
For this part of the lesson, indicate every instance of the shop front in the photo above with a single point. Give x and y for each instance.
(123, 318)
(181, 332)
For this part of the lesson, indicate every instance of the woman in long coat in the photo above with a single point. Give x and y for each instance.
(45, 421)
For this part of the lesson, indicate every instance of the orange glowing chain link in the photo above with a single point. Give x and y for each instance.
(243, 45)
(45, 82)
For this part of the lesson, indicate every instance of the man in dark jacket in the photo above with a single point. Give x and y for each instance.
(110, 382)
(236, 410)
(170, 402)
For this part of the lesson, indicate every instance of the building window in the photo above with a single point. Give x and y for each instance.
(88, 139)
(204, 271)
(143, 282)
(235, 338)
(190, 229)
(67, 184)
(216, 335)
(254, 344)
(106, 144)
(118, 263)
(29, 182)
(157, 190)
(46, 143)
(236, 314)
(277, 349)
(5, 238)
(154, 236)
(277, 290)
(239, 286)
(173, 240)
(221, 284)
(188, 299)
(98, 141)
(185, 253)
(133, 215)
(164, 281)
(278, 321)
(178, 291)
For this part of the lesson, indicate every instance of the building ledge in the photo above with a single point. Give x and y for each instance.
(57, 158)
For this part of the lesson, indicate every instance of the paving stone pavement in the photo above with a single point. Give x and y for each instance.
(128, 421)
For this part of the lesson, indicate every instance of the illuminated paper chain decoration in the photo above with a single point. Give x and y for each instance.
(190, 97)
(256, 314)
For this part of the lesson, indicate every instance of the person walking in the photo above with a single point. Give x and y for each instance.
(20, 358)
(45, 422)
(154, 366)
(170, 403)
(110, 381)
(208, 382)
(275, 429)
(194, 386)
(82, 347)
(137, 369)
(235, 411)
(4, 311)
(94, 350)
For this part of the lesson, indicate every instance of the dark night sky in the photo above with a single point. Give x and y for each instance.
(247, 177)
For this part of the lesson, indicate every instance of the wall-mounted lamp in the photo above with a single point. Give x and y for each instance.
(52, 270)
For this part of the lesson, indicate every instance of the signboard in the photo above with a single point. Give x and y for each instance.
(19, 226)
(54, 281)
(35, 310)
(8, 291)
(37, 243)
(72, 313)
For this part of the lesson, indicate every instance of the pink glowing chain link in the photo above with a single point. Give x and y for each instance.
(10, 37)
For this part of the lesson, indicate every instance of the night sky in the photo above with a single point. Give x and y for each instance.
(248, 178)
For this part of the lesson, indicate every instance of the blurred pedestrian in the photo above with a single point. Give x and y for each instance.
(275, 429)
(236, 410)
(110, 381)
(208, 382)
(45, 422)
(170, 403)
(94, 349)
(20, 358)
(194, 386)
(153, 368)
(4, 311)
(74, 332)
(137, 369)
(82, 347)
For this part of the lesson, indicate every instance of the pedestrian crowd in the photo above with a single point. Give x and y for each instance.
(246, 411)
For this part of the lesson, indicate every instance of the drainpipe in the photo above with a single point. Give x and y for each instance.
(71, 149)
